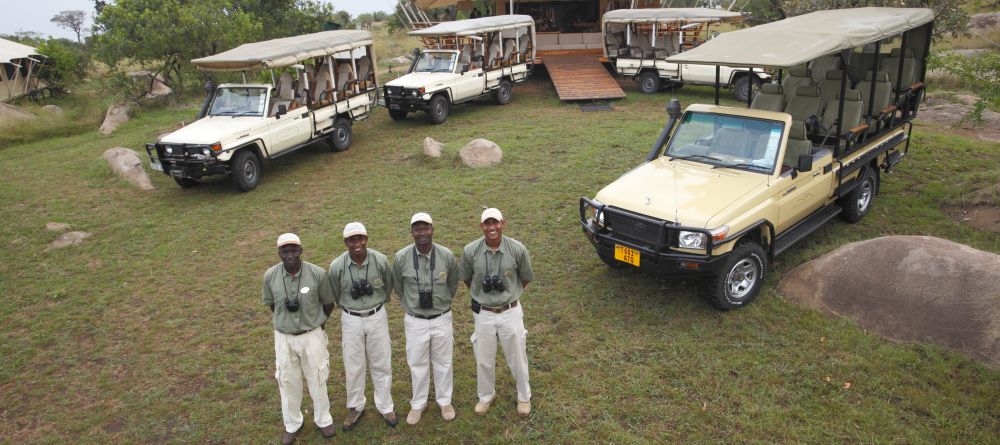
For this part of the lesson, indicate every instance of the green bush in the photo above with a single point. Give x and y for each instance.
(979, 73)
(65, 64)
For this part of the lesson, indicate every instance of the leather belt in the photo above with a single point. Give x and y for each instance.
(367, 313)
(496, 310)
(428, 317)
(300, 332)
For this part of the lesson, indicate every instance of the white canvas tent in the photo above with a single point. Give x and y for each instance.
(19, 66)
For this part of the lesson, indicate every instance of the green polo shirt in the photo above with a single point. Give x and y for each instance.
(375, 269)
(443, 280)
(310, 287)
(514, 265)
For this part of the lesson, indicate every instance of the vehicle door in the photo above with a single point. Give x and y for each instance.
(470, 84)
(288, 130)
(802, 193)
(702, 74)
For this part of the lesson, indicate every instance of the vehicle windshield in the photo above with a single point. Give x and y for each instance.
(430, 62)
(239, 101)
(726, 141)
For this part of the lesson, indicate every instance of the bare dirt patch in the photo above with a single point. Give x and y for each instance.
(982, 217)
(948, 111)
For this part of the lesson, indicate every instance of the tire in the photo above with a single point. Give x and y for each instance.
(739, 280)
(741, 88)
(246, 170)
(397, 115)
(437, 111)
(186, 182)
(341, 137)
(504, 93)
(648, 82)
(858, 202)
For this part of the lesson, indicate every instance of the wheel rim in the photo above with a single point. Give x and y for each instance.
(342, 135)
(865, 197)
(439, 109)
(249, 171)
(504, 92)
(741, 278)
(648, 83)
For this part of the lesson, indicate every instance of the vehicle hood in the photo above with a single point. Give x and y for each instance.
(212, 129)
(684, 192)
(426, 80)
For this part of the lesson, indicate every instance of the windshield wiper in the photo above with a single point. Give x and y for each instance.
(741, 165)
(710, 158)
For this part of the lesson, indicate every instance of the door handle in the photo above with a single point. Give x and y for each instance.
(816, 174)
(790, 190)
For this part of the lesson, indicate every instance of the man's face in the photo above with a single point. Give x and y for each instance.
(357, 244)
(423, 233)
(492, 229)
(289, 254)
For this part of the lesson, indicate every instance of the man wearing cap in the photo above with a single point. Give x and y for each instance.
(426, 278)
(361, 281)
(496, 269)
(300, 299)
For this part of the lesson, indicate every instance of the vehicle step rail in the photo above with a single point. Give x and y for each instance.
(805, 227)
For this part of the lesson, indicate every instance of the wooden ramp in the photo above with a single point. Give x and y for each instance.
(581, 77)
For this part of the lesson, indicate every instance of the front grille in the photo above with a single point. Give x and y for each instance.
(394, 91)
(638, 228)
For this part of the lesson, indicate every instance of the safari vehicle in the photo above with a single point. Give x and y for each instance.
(246, 124)
(461, 61)
(726, 188)
(637, 42)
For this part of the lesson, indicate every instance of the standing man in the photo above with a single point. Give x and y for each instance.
(496, 269)
(426, 279)
(300, 299)
(361, 282)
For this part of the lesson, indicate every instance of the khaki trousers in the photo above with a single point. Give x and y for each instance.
(507, 329)
(297, 356)
(365, 342)
(429, 345)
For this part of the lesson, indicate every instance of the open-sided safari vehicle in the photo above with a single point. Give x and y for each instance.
(325, 82)
(735, 186)
(461, 61)
(637, 42)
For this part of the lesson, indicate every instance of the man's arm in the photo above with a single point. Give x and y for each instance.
(266, 296)
(453, 276)
(466, 269)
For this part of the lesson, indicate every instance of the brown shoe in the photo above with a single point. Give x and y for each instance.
(289, 438)
(353, 416)
(328, 431)
(391, 419)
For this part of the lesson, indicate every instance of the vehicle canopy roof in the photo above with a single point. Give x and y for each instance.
(472, 27)
(285, 51)
(797, 40)
(671, 15)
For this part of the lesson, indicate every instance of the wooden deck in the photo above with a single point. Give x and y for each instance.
(581, 77)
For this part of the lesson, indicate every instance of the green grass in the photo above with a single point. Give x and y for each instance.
(152, 330)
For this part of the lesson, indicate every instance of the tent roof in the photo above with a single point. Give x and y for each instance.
(475, 26)
(797, 40)
(10, 51)
(431, 4)
(689, 15)
(285, 51)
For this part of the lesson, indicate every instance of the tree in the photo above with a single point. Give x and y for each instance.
(71, 20)
(364, 21)
(65, 63)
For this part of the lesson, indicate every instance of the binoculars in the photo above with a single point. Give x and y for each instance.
(292, 306)
(360, 288)
(492, 283)
(426, 298)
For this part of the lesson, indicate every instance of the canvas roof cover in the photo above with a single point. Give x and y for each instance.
(669, 15)
(797, 40)
(10, 51)
(474, 26)
(285, 51)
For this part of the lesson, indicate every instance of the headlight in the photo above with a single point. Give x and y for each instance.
(691, 240)
(170, 150)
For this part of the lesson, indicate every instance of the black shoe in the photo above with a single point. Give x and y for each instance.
(328, 431)
(289, 438)
(353, 416)
(391, 419)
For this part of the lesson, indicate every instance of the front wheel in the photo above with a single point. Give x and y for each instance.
(741, 88)
(858, 202)
(503, 93)
(397, 115)
(648, 82)
(739, 280)
(342, 136)
(437, 112)
(246, 170)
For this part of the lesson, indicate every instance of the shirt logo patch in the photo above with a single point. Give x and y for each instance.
(443, 275)
(304, 290)
(378, 282)
(509, 274)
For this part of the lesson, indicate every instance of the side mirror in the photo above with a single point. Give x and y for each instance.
(465, 68)
(805, 163)
(282, 109)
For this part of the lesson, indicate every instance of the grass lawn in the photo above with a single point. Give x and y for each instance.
(152, 331)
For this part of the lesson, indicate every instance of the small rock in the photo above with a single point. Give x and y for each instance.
(57, 227)
(480, 153)
(11, 112)
(985, 20)
(432, 148)
(69, 239)
(117, 115)
(127, 164)
(53, 109)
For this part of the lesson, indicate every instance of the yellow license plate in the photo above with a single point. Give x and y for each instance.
(627, 255)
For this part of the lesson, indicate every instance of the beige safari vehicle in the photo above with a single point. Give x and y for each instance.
(637, 42)
(461, 61)
(325, 82)
(724, 189)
